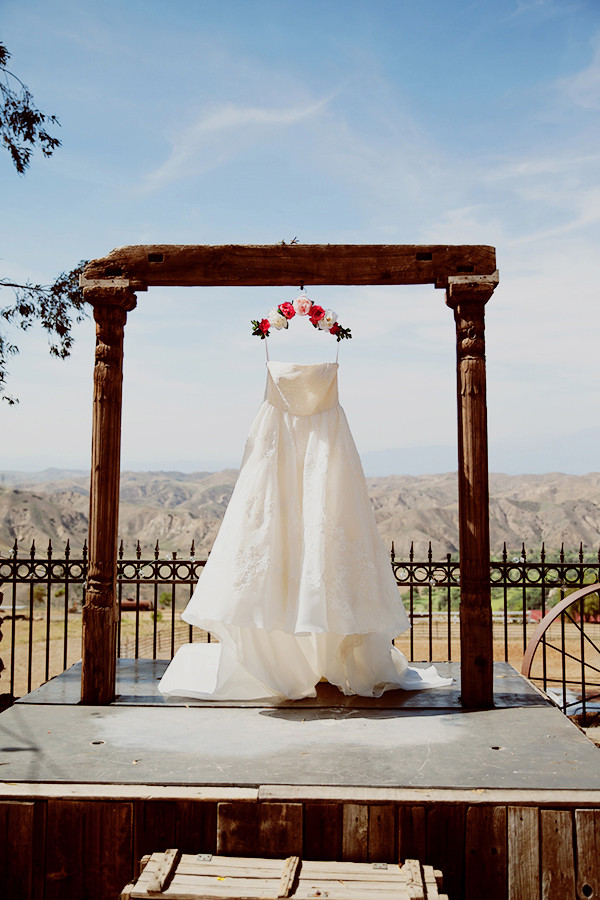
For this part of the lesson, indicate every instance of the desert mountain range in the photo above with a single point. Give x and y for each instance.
(176, 508)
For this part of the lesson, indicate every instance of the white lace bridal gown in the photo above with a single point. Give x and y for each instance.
(298, 585)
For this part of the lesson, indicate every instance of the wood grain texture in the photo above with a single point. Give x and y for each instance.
(540, 797)
(227, 878)
(486, 852)
(446, 845)
(468, 302)
(523, 841)
(189, 825)
(355, 832)
(558, 864)
(322, 831)
(267, 829)
(286, 882)
(290, 264)
(587, 832)
(430, 882)
(237, 829)
(88, 849)
(280, 829)
(412, 833)
(196, 826)
(16, 850)
(413, 871)
(92, 792)
(99, 620)
(164, 870)
(383, 842)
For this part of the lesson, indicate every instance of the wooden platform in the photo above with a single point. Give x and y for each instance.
(207, 877)
(506, 802)
(403, 739)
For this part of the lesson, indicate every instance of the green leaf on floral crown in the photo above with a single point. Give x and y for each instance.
(343, 333)
(257, 330)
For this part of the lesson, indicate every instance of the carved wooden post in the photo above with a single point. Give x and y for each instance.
(100, 615)
(467, 295)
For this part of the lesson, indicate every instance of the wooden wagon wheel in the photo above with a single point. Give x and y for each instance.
(579, 654)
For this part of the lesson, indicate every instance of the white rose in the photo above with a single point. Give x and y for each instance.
(276, 320)
(328, 320)
(302, 305)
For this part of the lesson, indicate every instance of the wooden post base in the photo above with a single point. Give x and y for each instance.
(98, 675)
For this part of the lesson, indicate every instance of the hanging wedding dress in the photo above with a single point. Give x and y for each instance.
(298, 585)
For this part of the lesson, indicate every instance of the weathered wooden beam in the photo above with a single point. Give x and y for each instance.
(467, 296)
(100, 614)
(291, 264)
(523, 852)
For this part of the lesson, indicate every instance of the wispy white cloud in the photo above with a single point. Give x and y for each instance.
(541, 165)
(219, 133)
(555, 193)
(587, 214)
(583, 88)
(524, 6)
(544, 9)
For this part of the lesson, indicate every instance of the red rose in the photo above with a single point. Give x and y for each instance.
(287, 310)
(316, 313)
(264, 325)
(335, 328)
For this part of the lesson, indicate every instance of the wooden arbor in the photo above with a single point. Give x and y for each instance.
(467, 274)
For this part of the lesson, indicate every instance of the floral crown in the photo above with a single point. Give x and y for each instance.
(279, 317)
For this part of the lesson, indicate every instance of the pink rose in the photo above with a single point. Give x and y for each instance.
(287, 310)
(302, 305)
(316, 313)
(264, 325)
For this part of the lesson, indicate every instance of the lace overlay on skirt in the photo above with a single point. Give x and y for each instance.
(298, 585)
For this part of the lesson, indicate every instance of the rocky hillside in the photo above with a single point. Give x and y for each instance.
(176, 508)
(171, 507)
(551, 508)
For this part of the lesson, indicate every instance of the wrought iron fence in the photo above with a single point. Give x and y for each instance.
(43, 595)
(523, 589)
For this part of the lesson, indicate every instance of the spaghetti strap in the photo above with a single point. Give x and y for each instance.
(267, 348)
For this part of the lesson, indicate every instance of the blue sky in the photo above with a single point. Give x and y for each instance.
(255, 121)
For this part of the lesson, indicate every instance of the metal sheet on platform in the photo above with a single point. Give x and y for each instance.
(137, 680)
(520, 747)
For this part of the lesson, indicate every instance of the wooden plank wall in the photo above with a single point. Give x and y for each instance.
(59, 848)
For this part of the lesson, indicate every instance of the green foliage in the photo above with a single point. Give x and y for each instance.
(439, 598)
(55, 306)
(591, 603)
(22, 125)
(514, 598)
(591, 606)
(165, 598)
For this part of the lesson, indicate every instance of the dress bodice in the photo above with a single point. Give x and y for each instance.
(302, 390)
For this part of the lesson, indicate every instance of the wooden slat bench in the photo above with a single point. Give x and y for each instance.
(206, 877)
